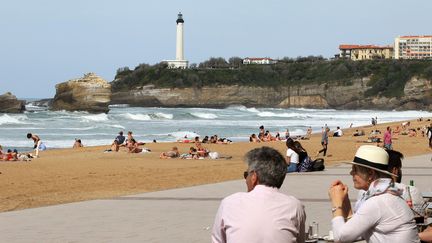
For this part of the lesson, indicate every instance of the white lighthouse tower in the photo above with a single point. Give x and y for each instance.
(179, 62)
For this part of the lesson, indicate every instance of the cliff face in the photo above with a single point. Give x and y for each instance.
(418, 95)
(10, 104)
(90, 93)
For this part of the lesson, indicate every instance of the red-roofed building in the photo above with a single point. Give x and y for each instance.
(258, 60)
(413, 47)
(365, 52)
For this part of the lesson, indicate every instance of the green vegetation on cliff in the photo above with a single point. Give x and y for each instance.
(388, 77)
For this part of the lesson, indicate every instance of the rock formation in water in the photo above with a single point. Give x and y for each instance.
(417, 95)
(90, 93)
(10, 104)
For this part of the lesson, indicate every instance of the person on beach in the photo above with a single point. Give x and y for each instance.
(381, 215)
(292, 157)
(192, 154)
(201, 151)
(287, 134)
(305, 163)
(77, 143)
(263, 214)
(118, 141)
(173, 153)
(324, 141)
(429, 135)
(134, 147)
(131, 142)
(261, 131)
(338, 132)
(38, 145)
(358, 133)
(308, 133)
(254, 139)
(388, 139)
(2, 154)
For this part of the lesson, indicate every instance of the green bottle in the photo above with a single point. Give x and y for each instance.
(411, 183)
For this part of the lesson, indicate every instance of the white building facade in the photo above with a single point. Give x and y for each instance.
(413, 47)
(255, 60)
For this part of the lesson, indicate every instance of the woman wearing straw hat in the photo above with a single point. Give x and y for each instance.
(381, 215)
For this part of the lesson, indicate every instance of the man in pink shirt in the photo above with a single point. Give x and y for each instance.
(262, 214)
(388, 139)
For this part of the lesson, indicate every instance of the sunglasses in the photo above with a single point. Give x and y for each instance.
(246, 173)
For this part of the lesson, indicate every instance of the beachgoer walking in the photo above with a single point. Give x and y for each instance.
(388, 139)
(263, 214)
(324, 141)
(429, 135)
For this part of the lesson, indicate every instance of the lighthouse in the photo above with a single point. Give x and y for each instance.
(180, 61)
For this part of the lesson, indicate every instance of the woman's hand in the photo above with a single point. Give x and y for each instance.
(337, 193)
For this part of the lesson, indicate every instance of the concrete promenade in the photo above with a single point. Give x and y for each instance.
(178, 215)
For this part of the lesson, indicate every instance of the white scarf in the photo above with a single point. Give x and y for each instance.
(378, 187)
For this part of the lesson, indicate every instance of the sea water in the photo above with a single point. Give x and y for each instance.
(58, 129)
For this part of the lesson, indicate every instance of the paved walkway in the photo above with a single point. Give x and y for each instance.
(179, 215)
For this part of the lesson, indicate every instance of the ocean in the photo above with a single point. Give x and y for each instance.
(58, 129)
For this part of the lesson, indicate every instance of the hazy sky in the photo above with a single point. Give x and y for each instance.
(46, 42)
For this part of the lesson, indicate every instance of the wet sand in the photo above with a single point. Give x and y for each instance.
(70, 175)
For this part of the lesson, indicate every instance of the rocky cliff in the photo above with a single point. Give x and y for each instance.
(10, 104)
(418, 95)
(89, 93)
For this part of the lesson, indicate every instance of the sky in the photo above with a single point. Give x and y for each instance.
(46, 42)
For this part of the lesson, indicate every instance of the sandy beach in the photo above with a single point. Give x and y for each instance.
(70, 175)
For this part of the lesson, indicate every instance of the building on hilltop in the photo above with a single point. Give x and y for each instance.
(413, 47)
(180, 61)
(255, 60)
(365, 52)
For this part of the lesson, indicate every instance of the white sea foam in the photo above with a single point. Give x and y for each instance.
(272, 114)
(203, 115)
(77, 128)
(99, 117)
(183, 134)
(116, 126)
(118, 106)
(137, 117)
(6, 119)
(244, 108)
(161, 115)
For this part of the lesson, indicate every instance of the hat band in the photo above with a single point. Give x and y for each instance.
(371, 164)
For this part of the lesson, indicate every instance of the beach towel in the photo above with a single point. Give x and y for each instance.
(213, 155)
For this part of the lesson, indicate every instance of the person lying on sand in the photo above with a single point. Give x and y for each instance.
(173, 153)
(134, 147)
(201, 151)
(191, 155)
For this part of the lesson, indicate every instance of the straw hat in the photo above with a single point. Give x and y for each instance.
(372, 157)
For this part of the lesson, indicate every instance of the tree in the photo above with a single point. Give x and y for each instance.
(235, 62)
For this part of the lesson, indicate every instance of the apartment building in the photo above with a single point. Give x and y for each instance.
(365, 52)
(413, 47)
